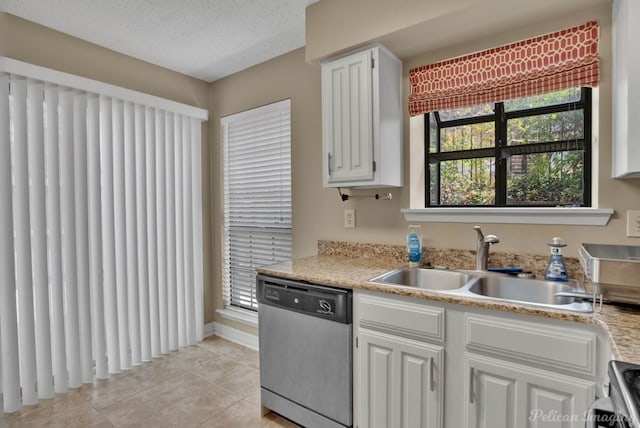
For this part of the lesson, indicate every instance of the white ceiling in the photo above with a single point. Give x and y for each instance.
(207, 39)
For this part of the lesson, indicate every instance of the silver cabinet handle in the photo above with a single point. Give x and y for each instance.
(472, 375)
(329, 163)
(432, 381)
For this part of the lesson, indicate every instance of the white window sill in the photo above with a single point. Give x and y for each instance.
(578, 216)
(249, 318)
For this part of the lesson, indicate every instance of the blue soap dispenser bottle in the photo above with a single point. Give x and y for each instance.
(414, 245)
(556, 269)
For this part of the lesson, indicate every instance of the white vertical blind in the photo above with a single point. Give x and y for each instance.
(117, 111)
(93, 192)
(132, 233)
(187, 226)
(161, 223)
(196, 189)
(22, 243)
(141, 215)
(80, 160)
(8, 308)
(177, 131)
(37, 213)
(151, 232)
(108, 235)
(54, 239)
(68, 232)
(172, 295)
(98, 328)
(257, 196)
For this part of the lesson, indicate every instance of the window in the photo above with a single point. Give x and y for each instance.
(257, 197)
(533, 151)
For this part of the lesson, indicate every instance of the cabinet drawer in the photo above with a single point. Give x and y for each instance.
(400, 318)
(558, 348)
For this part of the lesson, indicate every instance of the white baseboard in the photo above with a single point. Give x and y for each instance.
(209, 329)
(232, 334)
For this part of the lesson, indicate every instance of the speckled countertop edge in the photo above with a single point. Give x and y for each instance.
(620, 323)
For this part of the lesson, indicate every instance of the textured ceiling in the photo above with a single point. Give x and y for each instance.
(207, 39)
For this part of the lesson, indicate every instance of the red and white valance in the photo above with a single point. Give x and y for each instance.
(548, 63)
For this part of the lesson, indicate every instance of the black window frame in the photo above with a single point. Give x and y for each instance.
(501, 151)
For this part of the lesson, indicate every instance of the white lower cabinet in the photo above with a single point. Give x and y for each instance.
(501, 394)
(399, 358)
(401, 383)
(421, 363)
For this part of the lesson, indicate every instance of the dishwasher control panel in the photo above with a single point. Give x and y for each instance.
(315, 300)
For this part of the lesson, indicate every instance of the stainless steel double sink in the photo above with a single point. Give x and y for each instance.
(489, 285)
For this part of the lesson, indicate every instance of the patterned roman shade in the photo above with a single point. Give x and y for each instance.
(548, 63)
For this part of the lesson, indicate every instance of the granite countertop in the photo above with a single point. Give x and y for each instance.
(620, 323)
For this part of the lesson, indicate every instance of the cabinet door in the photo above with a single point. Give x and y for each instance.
(501, 394)
(347, 118)
(401, 382)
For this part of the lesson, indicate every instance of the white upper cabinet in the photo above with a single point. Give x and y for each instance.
(362, 119)
(626, 89)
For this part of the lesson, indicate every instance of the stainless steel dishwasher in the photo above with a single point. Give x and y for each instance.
(305, 333)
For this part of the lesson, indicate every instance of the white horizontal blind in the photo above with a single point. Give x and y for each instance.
(84, 195)
(257, 196)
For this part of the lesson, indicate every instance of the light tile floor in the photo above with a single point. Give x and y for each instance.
(213, 384)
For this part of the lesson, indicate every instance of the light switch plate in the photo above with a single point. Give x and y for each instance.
(350, 218)
(633, 224)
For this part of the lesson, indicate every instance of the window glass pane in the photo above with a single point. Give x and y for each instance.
(433, 133)
(467, 137)
(465, 112)
(553, 98)
(546, 179)
(433, 185)
(467, 182)
(566, 125)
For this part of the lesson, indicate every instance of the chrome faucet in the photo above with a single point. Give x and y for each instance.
(482, 251)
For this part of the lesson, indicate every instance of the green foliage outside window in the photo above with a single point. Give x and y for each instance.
(528, 152)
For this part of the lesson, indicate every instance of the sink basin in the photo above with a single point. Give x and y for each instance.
(531, 291)
(523, 290)
(488, 285)
(430, 279)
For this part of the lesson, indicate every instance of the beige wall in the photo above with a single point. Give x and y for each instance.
(333, 26)
(380, 221)
(36, 44)
(318, 212)
(288, 76)
(412, 27)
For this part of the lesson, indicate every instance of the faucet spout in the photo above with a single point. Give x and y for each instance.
(479, 233)
(482, 248)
